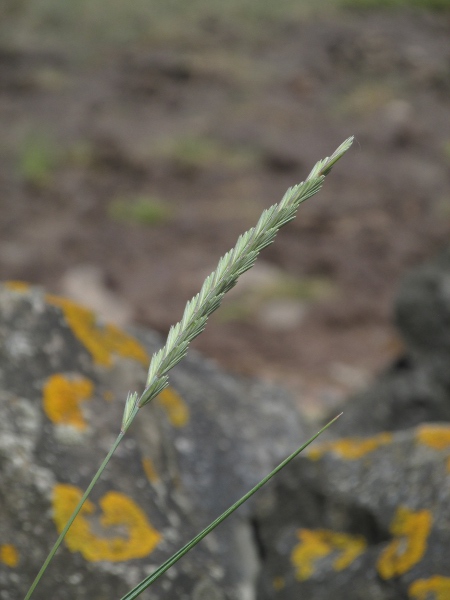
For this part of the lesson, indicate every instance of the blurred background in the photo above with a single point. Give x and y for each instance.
(139, 138)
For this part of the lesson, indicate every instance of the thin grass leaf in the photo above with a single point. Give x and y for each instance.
(145, 583)
(73, 516)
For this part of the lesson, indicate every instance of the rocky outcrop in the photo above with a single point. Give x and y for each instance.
(64, 376)
(365, 515)
(362, 515)
(365, 518)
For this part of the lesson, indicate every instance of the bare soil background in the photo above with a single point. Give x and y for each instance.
(128, 168)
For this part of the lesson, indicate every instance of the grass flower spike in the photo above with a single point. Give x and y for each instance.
(235, 262)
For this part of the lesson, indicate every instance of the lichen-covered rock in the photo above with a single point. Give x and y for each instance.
(364, 515)
(227, 433)
(361, 519)
(64, 376)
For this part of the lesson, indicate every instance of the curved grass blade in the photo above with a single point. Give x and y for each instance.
(145, 583)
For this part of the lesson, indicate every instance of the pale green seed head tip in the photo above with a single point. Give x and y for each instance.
(337, 154)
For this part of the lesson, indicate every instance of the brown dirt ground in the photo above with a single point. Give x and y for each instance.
(216, 128)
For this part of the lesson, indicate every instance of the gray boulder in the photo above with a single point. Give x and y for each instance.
(368, 518)
(361, 519)
(423, 310)
(64, 376)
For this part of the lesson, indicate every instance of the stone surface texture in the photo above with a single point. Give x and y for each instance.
(358, 519)
(64, 375)
(364, 514)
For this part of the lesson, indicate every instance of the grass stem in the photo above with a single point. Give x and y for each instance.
(73, 517)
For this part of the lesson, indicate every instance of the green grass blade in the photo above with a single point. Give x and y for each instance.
(145, 583)
(73, 517)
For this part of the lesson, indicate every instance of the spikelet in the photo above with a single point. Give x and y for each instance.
(235, 262)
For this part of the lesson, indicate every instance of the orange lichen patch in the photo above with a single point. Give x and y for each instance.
(319, 543)
(434, 436)
(17, 286)
(436, 587)
(278, 583)
(351, 448)
(9, 555)
(175, 407)
(118, 510)
(410, 530)
(108, 395)
(62, 398)
(101, 341)
(150, 471)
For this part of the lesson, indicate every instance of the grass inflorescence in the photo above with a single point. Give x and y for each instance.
(233, 264)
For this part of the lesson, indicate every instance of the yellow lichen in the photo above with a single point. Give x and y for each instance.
(118, 511)
(319, 543)
(150, 471)
(175, 407)
(17, 286)
(278, 583)
(436, 587)
(108, 395)
(434, 436)
(9, 555)
(62, 398)
(410, 530)
(351, 448)
(101, 341)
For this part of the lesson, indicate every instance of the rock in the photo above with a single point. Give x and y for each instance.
(87, 284)
(63, 378)
(368, 518)
(423, 309)
(361, 518)
(416, 388)
(233, 433)
(406, 394)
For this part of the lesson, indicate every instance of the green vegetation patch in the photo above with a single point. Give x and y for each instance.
(201, 152)
(367, 97)
(144, 210)
(303, 290)
(446, 148)
(38, 158)
(85, 27)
